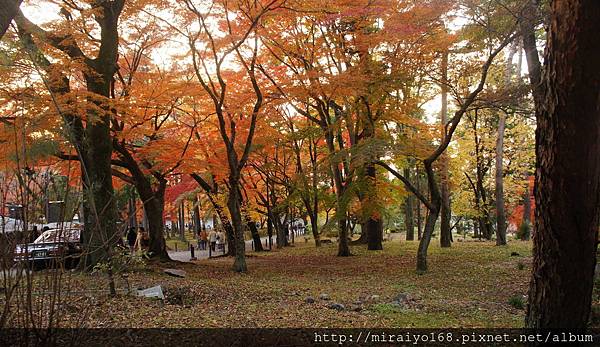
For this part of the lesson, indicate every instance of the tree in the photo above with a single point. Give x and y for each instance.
(445, 231)
(240, 21)
(349, 73)
(7, 13)
(567, 186)
(500, 208)
(91, 138)
(433, 203)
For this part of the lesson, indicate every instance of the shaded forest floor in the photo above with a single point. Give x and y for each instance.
(472, 284)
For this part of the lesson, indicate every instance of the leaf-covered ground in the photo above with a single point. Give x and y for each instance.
(472, 284)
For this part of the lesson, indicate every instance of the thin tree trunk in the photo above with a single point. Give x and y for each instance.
(408, 211)
(374, 223)
(500, 213)
(197, 219)
(315, 228)
(343, 247)
(181, 219)
(433, 212)
(527, 209)
(255, 235)
(567, 186)
(445, 231)
(270, 231)
(418, 207)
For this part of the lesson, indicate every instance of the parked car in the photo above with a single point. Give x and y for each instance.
(51, 247)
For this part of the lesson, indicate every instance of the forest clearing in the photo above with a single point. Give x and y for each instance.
(473, 285)
(302, 164)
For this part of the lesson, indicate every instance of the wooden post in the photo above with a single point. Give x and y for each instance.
(193, 256)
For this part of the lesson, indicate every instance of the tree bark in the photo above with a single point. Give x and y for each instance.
(7, 12)
(197, 219)
(233, 204)
(433, 213)
(374, 223)
(499, 181)
(315, 228)
(567, 182)
(255, 235)
(408, 211)
(418, 207)
(445, 231)
(343, 245)
(153, 199)
(527, 209)
(499, 177)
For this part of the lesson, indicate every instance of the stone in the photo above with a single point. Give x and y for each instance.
(374, 297)
(152, 292)
(336, 306)
(402, 298)
(309, 300)
(404, 301)
(324, 296)
(174, 272)
(356, 308)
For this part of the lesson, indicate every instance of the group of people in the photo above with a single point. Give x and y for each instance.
(215, 239)
(138, 241)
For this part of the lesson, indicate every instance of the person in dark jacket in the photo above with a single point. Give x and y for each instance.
(34, 234)
(131, 237)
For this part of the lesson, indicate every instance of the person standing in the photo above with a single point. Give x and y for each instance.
(203, 239)
(212, 238)
(142, 241)
(34, 234)
(220, 240)
(131, 238)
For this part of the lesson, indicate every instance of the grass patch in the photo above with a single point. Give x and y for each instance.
(385, 309)
(517, 302)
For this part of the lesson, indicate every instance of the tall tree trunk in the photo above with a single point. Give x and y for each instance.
(197, 219)
(527, 209)
(445, 231)
(153, 200)
(315, 229)
(100, 232)
(374, 223)
(408, 211)
(567, 190)
(181, 219)
(233, 204)
(499, 180)
(280, 240)
(433, 213)
(270, 231)
(485, 221)
(154, 206)
(499, 177)
(418, 205)
(343, 245)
